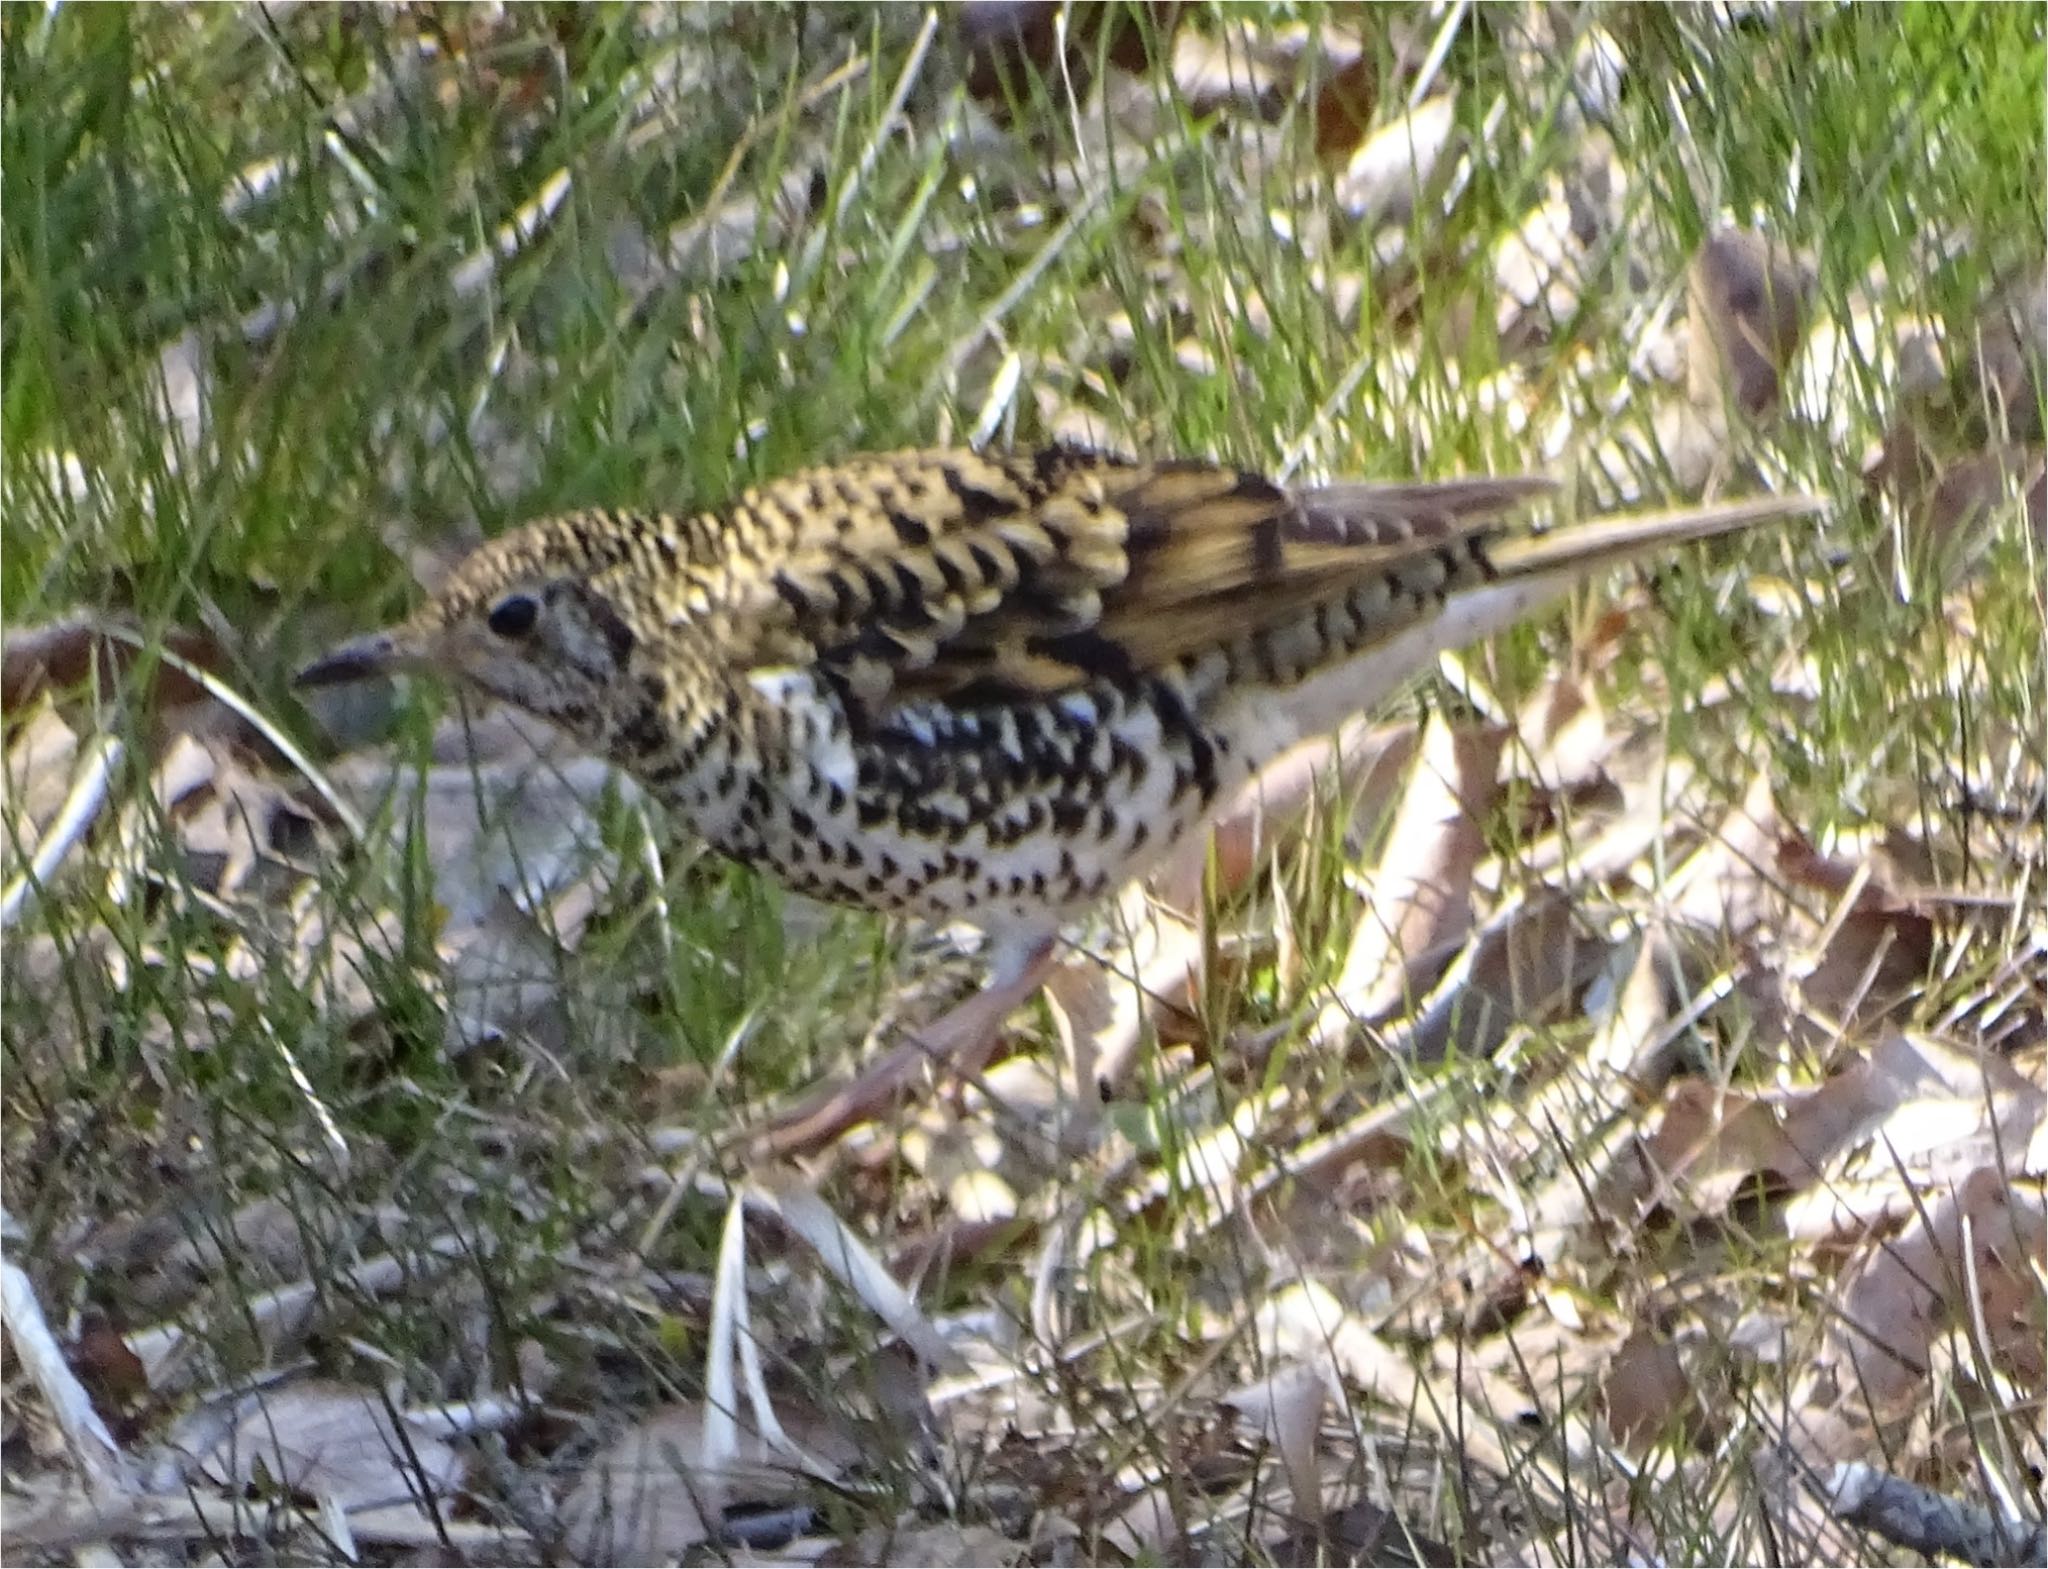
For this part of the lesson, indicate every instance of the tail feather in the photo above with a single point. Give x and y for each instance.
(1529, 572)
(1578, 549)
(1424, 502)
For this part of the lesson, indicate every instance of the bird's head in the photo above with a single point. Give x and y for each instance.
(548, 618)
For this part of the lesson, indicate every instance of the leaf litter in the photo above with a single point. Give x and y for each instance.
(1548, 893)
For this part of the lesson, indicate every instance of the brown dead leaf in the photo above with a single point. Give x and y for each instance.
(1345, 108)
(1975, 1255)
(1526, 966)
(1648, 1399)
(334, 1442)
(1965, 436)
(1874, 966)
(1421, 899)
(1101, 1003)
(87, 650)
(1361, 1533)
(2007, 368)
(1749, 299)
(1708, 1143)
(1912, 1104)
(1009, 42)
(112, 1373)
(1946, 515)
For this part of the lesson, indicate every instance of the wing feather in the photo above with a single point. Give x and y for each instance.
(988, 578)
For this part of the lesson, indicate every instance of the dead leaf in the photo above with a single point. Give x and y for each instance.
(1285, 1408)
(1101, 1004)
(1874, 967)
(1011, 42)
(35, 777)
(1387, 177)
(1362, 1533)
(1421, 892)
(1724, 888)
(1976, 1253)
(112, 1373)
(1225, 72)
(1527, 966)
(1345, 108)
(87, 648)
(508, 811)
(1941, 1112)
(645, 1496)
(334, 1442)
(928, 1547)
(1749, 299)
(1649, 1400)
(1912, 1104)
(1708, 1143)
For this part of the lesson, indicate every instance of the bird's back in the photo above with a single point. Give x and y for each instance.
(997, 686)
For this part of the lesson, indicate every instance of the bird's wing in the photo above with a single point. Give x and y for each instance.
(982, 578)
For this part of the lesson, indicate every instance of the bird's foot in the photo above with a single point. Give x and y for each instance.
(956, 1043)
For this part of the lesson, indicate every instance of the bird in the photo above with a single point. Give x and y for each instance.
(987, 686)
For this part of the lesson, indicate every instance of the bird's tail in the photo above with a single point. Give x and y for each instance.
(1580, 549)
(1528, 573)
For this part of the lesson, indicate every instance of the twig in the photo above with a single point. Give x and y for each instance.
(1924, 1521)
(81, 806)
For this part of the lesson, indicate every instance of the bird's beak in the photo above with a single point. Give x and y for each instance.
(360, 659)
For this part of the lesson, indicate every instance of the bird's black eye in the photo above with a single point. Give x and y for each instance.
(514, 615)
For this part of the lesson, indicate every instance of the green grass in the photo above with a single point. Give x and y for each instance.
(303, 204)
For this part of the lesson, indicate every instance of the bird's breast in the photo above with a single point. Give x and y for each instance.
(1008, 815)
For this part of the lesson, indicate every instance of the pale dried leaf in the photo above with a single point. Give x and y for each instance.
(1101, 1004)
(1286, 1409)
(937, 1546)
(1940, 1112)
(509, 813)
(92, 1446)
(1225, 71)
(645, 1496)
(1565, 733)
(334, 1441)
(1911, 1105)
(1725, 887)
(1421, 901)
(1387, 176)
(797, 1205)
(1977, 1254)
(35, 778)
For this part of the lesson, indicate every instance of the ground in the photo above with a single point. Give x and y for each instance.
(1599, 1108)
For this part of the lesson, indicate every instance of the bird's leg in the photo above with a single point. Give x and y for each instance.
(958, 1041)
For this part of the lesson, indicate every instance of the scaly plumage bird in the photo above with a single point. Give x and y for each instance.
(994, 687)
